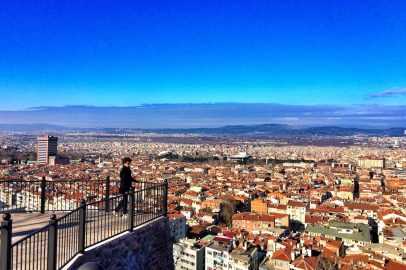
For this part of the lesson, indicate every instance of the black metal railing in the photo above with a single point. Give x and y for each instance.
(56, 244)
(49, 195)
(67, 236)
(28, 252)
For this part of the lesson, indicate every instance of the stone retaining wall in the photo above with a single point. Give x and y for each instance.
(146, 248)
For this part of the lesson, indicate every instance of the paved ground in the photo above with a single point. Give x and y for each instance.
(26, 223)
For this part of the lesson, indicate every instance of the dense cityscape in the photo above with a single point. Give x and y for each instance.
(203, 135)
(233, 203)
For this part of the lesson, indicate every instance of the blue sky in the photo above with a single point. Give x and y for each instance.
(102, 54)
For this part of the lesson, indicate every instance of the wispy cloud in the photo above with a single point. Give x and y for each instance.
(387, 93)
(211, 115)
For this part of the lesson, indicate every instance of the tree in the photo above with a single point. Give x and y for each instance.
(227, 212)
(328, 263)
(228, 209)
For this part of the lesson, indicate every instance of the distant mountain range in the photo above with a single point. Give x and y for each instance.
(285, 130)
(235, 130)
(34, 128)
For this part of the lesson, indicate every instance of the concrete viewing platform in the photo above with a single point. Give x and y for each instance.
(27, 223)
(151, 236)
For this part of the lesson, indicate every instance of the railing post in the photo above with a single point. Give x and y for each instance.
(142, 191)
(43, 195)
(107, 205)
(52, 242)
(82, 226)
(131, 206)
(165, 202)
(6, 232)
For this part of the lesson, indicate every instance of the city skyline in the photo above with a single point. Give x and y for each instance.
(183, 64)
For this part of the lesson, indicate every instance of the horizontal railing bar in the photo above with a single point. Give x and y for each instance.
(68, 214)
(104, 200)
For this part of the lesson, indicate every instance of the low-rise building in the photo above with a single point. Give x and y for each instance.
(352, 235)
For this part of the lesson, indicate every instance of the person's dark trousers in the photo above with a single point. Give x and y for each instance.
(123, 204)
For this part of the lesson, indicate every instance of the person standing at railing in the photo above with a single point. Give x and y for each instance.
(125, 184)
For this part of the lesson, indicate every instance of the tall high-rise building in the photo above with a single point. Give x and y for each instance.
(46, 147)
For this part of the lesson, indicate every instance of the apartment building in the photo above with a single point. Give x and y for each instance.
(195, 196)
(211, 203)
(278, 208)
(256, 222)
(224, 254)
(177, 223)
(260, 206)
(297, 213)
(354, 209)
(245, 258)
(217, 252)
(246, 203)
(189, 255)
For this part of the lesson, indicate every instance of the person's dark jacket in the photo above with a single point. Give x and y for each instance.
(126, 179)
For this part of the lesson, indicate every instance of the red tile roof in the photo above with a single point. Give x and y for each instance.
(283, 254)
(306, 263)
